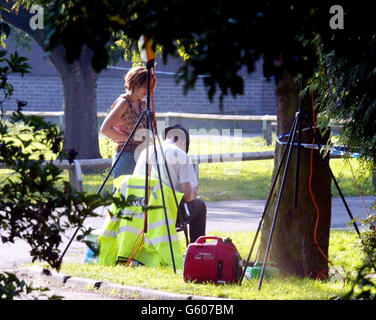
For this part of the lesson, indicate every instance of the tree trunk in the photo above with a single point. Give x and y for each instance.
(80, 104)
(79, 87)
(293, 247)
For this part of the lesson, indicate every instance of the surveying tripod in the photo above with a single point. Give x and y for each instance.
(150, 127)
(296, 130)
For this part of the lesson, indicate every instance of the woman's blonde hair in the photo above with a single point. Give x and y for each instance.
(137, 77)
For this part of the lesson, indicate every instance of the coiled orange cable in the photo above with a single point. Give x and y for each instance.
(142, 233)
(314, 200)
(310, 184)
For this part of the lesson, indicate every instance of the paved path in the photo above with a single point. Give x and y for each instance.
(243, 215)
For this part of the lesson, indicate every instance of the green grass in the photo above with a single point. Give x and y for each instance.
(344, 252)
(237, 180)
(243, 180)
(250, 179)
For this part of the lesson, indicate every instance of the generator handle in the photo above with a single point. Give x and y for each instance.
(203, 238)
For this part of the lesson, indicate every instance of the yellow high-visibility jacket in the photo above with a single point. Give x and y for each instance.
(120, 237)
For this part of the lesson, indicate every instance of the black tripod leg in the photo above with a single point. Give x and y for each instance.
(105, 180)
(277, 206)
(149, 125)
(267, 203)
(122, 150)
(163, 198)
(344, 201)
(147, 164)
(173, 189)
(338, 188)
(299, 129)
(335, 181)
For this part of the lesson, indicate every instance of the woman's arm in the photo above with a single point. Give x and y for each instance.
(114, 118)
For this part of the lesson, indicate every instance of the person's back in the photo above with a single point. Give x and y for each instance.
(182, 174)
(179, 165)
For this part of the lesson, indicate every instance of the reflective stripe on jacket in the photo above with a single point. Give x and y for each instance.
(121, 238)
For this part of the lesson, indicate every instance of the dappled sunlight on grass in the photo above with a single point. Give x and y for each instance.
(290, 288)
(239, 180)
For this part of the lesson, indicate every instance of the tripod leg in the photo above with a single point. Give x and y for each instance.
(147, 164)
(163, 199)
(121, 151)
(335, 180)
(105, 180)
(344, 201)
(267, 202)
(299, 129)
(338, 188)
(172, 187)
(149, 124)
(277, 206)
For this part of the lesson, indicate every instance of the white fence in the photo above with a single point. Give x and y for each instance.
(267, 120)
(75, 169)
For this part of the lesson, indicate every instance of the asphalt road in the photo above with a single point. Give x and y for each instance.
(244, 215)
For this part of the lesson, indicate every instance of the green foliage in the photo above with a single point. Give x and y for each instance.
(216, 38)
(21, 39)
(344, 92)
(364, 286)
(343, 85)
(11, 286)
(127, 49)
(15, 64)
(32, 205)
(219, 38)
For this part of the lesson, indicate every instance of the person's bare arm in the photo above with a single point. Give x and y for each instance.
(189, 193)
(114, 118)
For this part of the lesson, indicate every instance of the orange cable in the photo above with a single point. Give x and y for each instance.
(313, 197)
(153, 82)
(142, 231)
(311, 192)
(135, 252)
(152, 99)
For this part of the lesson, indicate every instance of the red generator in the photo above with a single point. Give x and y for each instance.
(217, 261)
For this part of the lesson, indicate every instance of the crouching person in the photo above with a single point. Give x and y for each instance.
(133, 235)
(175, 147)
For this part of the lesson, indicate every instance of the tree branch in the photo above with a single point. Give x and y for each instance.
(21, 20)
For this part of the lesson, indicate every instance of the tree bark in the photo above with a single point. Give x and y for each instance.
(79, 88)
(293, 247)
(79, 104)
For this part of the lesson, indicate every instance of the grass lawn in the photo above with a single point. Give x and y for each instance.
(345, 253)
(247, 179)
(235, 180)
